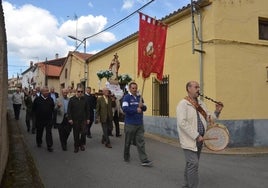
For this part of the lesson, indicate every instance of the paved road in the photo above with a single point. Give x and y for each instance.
(100, 167)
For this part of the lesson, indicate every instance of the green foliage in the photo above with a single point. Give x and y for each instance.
(124, 79)
(104, 74)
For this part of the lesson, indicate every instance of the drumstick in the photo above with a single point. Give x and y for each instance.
(211, 138)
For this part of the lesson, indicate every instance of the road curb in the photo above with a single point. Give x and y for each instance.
(227, 151)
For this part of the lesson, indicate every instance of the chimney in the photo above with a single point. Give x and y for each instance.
(31, 63)
(56, 56)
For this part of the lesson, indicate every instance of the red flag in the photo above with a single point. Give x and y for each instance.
(152, 41)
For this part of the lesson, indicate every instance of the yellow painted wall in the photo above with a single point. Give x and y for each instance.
(62, 79)
(67, 66)
(75, 71)
(54, 82)
(234, 72)
(180, 64)
(241, 58)
(242, 81)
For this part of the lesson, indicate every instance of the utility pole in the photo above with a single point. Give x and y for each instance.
(85, 51)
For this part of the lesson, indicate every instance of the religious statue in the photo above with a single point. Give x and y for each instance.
(113, 82)
(114, 67)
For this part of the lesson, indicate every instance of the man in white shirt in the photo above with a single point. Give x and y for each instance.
(192, 119)
(17, 99)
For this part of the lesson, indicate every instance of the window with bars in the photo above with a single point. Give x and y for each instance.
(65, 73)
(160, 103)
(263, 28)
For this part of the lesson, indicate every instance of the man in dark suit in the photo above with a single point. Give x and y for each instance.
(78, 117)
(54, 95)
(91, 100)
(104, 114)
(30, 118)
(43, 108)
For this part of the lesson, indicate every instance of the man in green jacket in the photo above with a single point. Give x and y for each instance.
(104, 115)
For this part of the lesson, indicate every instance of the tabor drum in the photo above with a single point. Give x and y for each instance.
(216, 137)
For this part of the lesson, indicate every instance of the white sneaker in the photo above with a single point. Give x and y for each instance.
(147, 163)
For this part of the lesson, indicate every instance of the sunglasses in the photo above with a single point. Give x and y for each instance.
(79, 91)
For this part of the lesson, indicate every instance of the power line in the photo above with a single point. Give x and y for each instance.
(121, 20)
(18, 66)
(115, 24)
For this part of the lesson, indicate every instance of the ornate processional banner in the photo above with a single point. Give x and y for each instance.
(151, 44)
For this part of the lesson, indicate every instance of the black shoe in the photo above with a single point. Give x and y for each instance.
(39, 145)
(134, 143)
(89, 136)
(108, 145)
(64, 147)
(82, 148)
(50, 149)
(119, 135)
(76, 149)
(126, 160)
(126, 157)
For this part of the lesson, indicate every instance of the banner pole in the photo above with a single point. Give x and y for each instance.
(142, 89)
(143, 83)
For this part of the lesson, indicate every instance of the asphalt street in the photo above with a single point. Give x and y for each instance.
(101, 167)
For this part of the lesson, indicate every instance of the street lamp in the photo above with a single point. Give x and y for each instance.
(85, 51)
(82, 41)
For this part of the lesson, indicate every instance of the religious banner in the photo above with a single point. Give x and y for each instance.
(151, 46)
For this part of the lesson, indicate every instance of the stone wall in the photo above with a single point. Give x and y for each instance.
(4, 148)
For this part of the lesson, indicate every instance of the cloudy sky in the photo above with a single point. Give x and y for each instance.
(38, 29)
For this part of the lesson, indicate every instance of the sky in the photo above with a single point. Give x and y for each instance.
(39, 29)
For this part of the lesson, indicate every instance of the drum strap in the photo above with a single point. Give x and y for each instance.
(197, 107)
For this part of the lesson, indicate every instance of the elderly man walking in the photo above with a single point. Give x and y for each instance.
(43, 108)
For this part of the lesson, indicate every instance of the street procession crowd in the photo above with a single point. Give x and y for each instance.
(75, 110)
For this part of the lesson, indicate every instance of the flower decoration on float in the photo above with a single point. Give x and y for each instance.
(124, 79)
(104, 74)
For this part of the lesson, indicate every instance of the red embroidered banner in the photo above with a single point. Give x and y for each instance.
(151, 44)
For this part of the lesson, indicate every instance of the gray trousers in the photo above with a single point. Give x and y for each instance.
(191, 178)
(134, 134)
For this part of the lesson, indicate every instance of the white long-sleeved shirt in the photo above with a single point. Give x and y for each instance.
(17, 98)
